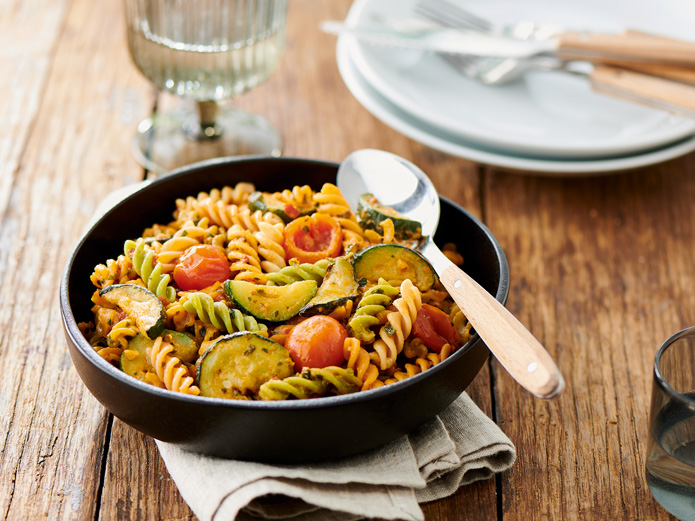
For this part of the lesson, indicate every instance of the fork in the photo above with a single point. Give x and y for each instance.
(623, 80)
(448, 13)
(492, 71)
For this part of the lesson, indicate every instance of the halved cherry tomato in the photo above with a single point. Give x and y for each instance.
(313, 237)
(292, 211)
(201, 266)
(317, 342)
(435, 329)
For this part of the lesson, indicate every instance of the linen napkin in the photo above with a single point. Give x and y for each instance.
(458, 447)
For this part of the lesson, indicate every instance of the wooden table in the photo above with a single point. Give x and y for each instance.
(601, 272)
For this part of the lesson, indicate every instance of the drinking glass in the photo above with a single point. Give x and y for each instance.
(671, 447)
(206, 52)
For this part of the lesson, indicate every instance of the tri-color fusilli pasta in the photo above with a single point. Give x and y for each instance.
(211, 279)
(219, 315)
(312, 383)
(149, 269)
(372, 303)
(170, 369)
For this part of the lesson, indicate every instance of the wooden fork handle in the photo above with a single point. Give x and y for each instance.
(662, 93)
(661, 70)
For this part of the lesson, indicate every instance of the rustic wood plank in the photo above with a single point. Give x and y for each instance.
(71, 149)
(600, 273)
(137, 484)
(24, 62)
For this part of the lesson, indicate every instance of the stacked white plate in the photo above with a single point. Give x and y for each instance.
(548, 122)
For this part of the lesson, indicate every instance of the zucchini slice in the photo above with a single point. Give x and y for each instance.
(273, 303)
(394, 263)
(338, 286)
(236, 365)
(137, 365)
(140, 304)
(268, 203)
(371, 212)
(185, 347)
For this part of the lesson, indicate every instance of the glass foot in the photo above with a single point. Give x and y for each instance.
(174, 139)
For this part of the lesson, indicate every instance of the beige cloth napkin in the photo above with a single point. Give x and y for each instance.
(458, 447)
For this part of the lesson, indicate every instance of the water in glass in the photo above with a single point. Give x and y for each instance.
(207, 49)
(670, 462)
(206, 52)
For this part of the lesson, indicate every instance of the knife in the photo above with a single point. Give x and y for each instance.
(567, 46)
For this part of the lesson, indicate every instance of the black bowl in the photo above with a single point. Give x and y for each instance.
(278, 432)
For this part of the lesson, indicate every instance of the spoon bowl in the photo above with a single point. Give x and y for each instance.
(410, 193)
(398, 183)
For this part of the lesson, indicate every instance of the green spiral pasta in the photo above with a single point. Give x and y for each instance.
(245, 322)
(374, 301)
(296, 272)
(312, 382)
(219, 315)
(149, 270)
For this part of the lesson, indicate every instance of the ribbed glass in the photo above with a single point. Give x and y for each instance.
(206, 49)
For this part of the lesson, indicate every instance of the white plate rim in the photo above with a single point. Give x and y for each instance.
(393, 117)
(682, 128)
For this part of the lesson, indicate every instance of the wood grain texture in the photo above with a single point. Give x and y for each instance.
(67, 150)
(601, 273)
(25, 61)
(137, 484)
(28, 61)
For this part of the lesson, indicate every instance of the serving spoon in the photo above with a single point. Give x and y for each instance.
(398, 183)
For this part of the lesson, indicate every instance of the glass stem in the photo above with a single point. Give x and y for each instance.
(207, 115)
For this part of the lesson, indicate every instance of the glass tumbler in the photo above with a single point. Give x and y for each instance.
(670, 464)
(205, 52)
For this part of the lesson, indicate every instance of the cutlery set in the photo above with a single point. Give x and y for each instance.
(640, 67)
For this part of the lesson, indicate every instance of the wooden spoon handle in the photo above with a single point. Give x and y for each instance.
(510, 342)
(631, 47)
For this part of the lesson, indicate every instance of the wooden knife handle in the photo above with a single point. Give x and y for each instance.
(625, 47)
(663, 70)
(661, 93)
